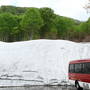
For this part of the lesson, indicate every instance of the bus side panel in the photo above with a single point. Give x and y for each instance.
(80, 77)
(83, 79)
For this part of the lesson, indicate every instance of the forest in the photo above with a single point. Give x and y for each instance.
(30, 23)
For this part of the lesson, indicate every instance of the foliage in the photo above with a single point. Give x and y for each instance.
(64, 26)
(32, 21)
(48, 15)
(21, 23)
(13, 10)
(8, 23)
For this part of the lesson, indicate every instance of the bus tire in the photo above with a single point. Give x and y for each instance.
(78, 86)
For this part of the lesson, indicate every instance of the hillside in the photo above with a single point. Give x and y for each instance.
(30, 23)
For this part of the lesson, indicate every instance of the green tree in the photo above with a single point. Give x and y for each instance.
(13, 10)
(8, 23)
(64, 26)
(48, 16)
(83, 30)
(31, 22)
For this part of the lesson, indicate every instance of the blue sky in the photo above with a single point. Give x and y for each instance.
(69, 8)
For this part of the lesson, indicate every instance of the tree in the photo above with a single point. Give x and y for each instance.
(87, 6)
(8, 23)
(48, 16)
(31, 22)
(64, 26)
(13, 10)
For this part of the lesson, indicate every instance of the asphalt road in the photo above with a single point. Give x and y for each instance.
(40, 88)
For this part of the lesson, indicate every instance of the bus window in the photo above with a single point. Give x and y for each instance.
(78, 68)
(83, 68)
(71, 68)
(87, 68)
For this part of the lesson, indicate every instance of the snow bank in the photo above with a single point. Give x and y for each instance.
(38, 62)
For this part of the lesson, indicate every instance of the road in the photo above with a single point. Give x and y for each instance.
(40, 88)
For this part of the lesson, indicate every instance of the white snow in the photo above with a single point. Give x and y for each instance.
(38, 62)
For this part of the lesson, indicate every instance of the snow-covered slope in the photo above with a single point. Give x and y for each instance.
(38, 62)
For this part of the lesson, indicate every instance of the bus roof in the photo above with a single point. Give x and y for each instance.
(79, 61)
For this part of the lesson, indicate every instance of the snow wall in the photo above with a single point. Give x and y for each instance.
(38, 62)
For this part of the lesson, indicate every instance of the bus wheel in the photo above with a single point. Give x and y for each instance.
(78, 86)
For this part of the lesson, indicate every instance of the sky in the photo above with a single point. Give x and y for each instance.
(69, 8)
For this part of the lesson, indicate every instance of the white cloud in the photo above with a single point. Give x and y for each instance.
(37, 3)
(6, 2)
(70, 8)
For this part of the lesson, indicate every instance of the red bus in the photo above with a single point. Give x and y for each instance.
(79, 72)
